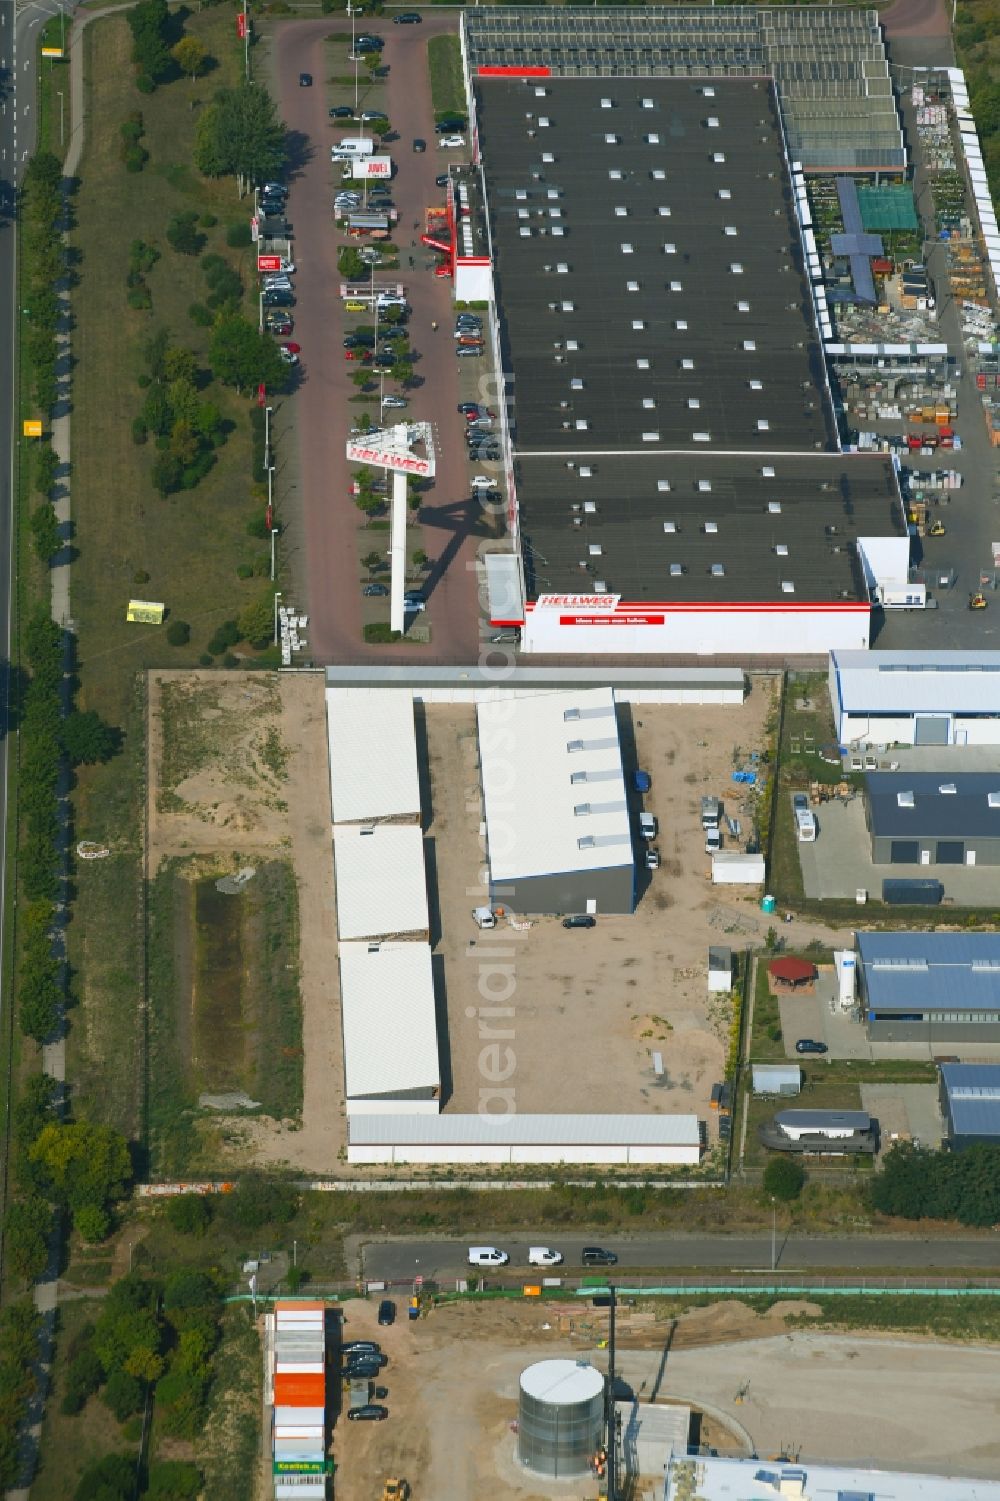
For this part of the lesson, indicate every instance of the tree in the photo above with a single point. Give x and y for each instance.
(784, 1178)
(241, 356)
(111, 1478)
(122, 1394)
(84, 1376)
(178, 634)
(87, 739)
(149, 23)
(351, 264)
(82, 1163)
(183, 234)
(189, 1213)
(26, 1231)
(173, 1480)
(256, 620)
(240, 135)
(92, 1223)
(257, 1201)
(191, 55)
(372, 561)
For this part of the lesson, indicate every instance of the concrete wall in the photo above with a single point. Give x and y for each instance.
(666, 1156)
(612, 889)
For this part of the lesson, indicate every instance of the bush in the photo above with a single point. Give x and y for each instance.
(27, 1227)
(139, 299)
(92, 1223)
(135, 158)
(225, 636)
(109, 1479)
(140, 432)
(190, 1214)
(206, 659)
(84, 1376)
(257, 1201)
(239, 236)
(784, 1178)
(145, 84)
(244, 570)
(208, 221)
(178, 633)
(183, 235)
(87, 739)
(123, 1394)
(380, 632)
(45, 538)
(173, 1480)
(201, 315)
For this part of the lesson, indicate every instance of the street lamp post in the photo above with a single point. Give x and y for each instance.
(270, 512)
(268, 412)
(277, 596)
(62, 118)
(774, 1235)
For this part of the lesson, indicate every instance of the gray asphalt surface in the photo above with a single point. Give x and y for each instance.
(400, 1260)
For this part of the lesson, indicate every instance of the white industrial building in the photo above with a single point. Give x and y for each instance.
(391, 1060)
(381, 884)
(373, 754)
(653, 1140)
(935, 698)
(557, 820)
(713, 1479)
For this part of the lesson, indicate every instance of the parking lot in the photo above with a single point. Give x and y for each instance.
(589, 1005)
(325, 537)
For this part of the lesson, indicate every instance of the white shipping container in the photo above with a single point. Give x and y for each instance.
(300, 1368)
(732, 869)
(289, 1432)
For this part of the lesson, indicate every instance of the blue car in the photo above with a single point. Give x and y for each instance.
(641, 780)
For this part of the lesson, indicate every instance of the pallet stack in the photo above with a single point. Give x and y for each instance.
(299, 1430)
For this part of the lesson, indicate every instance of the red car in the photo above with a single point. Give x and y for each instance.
(281, 326)
(358, 354)
(292, 348)
(479, 412)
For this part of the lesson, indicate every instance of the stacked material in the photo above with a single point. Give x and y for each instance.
(299, 1457)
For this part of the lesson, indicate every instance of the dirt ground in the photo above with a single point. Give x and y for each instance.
(631, 986)
(238, 768)
(453, 1381)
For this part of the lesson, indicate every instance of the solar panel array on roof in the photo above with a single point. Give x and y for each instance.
(830, 64)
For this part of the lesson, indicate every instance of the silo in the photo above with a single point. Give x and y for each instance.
(561, 1417)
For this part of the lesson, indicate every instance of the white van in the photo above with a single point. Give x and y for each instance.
(543, 1256)
(487, 1256)
(351, 147)
(805, 826)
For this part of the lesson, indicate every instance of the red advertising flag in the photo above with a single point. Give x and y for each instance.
(241, 24)
(269, 263)
(269, 517)
(261, 395)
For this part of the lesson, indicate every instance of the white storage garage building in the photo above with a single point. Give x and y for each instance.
(557, 818)
(916, 698)
(391, 1060)
(510, 1139)
(381, 885)
(373, 754)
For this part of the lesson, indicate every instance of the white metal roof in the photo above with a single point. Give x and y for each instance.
(553, 784)
(757, 1480)
(373, 754)
(907, 682)
(562, 1382)
(524, 1130)
(504, 589)
(390, 1028)
(381, 886)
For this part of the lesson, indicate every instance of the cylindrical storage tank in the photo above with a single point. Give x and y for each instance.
(560, 1418)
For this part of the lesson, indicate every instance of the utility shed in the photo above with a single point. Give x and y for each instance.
(373, 755)
(936, 988)
(970, 1103)
(916, 698)
(720, 969)
(381, 886)
(391, 1060)
(933, 818)
(652, 1433)
(777, 1078)
(557, 821)
(543, 1139)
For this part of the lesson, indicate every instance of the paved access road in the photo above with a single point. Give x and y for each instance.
(322, 404)
(400, 1260)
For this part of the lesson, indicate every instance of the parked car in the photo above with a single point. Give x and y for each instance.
(274, 190)
(419, 145)
(597, 1256)
(357, 339)
(277, 282)
(305, 80)
(414, 600)
(372, 1412)
(278, 297)
(652, 858)
(468, 408)
(641, 780)
(396, 402)
(800, 803)
(487, 1256)
(810, 1045)
(279, 323)
(355, 307)
(463, 350)
(387, 1312)
(442, 180)
(450, 143)
(353, 1346)
(369, 39)
(373, 114)
(713, 841)
(375, 591)
(341, 112)
(407, 18)
(648, 826)
(287, 355)
(449, 123)
(580, 921)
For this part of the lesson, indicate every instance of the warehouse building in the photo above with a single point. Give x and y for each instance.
(511, 1139)
(381, 883)
(930, 818)
(827, 1133)
(557, 821)
(970, 1104)
(711, 1479)
(937, 988)
(676, 482)
(391, 1060)
(373, 755)
(776, 1078)
(916, 698)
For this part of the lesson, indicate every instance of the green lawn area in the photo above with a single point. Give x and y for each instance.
(183, 551)
(444, 59)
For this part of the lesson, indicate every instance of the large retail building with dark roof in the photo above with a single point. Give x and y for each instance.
(675, 480)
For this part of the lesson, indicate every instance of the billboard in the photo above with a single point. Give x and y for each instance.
(241, 24)
(32, 427)
(591, 603)
(372, 166)
(269, 263)
(387, 458)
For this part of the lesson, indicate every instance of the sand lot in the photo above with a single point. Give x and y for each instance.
(238, 768)
(452, 1380)
(590, 1007)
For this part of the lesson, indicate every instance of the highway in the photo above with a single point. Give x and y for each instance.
(400, 1260)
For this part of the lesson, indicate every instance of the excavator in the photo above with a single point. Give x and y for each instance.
(396, 1490)
(936, 529)
(977, 601)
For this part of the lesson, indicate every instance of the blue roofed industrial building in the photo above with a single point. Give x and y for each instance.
(970, 1104)
(938, 988)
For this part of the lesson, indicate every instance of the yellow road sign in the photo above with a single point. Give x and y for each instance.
(32, 427)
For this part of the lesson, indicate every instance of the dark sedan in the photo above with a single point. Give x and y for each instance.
(809, 1045)
(597, 1256)
(372, 1412)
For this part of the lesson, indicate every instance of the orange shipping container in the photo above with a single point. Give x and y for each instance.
(299, 1391)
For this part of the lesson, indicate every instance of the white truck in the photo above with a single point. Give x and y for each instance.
(711, 810)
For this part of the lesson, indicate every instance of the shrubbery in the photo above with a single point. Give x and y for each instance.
(917, 1184)
(41, 213)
